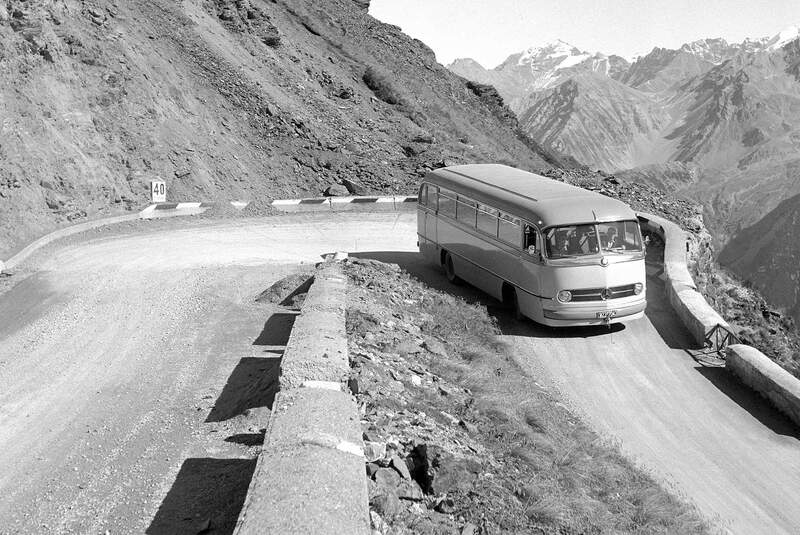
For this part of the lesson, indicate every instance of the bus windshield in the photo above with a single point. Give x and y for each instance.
(569, 241)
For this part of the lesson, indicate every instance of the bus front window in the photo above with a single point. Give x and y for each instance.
(620, 237)
(571, 241)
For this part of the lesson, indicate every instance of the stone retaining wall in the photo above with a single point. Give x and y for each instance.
(750, 365)
(766, 377)
(310, 475)
(695, 313)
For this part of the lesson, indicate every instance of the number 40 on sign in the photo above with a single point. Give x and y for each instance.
(158, 190)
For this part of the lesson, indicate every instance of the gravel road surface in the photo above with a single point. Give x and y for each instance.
(711, 439)
(136, 373)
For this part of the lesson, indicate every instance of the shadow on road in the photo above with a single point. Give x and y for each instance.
(253, 383)
(276, 330)
(27, 302)
(247, 439)
(207, 497)
(664, 319)
(750, 401)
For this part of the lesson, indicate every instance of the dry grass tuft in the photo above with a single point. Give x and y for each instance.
(381, 84)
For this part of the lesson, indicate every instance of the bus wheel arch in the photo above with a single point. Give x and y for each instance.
(449, 268)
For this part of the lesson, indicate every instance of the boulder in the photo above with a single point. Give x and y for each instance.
(336, 190)
(410, 490)
(387, 504)
(353, 188)
(374, 451)
(400, 465)
(387, 478)
(439, 472)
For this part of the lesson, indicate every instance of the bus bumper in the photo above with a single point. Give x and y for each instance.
(594, 315)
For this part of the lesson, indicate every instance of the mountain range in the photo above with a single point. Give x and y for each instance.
(713, 121)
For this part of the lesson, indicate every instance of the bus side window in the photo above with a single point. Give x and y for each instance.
(487, 220)
(529, 240)
(423, 195)
(509, 229)
(432, 197)
(447, 203)
(465, 211)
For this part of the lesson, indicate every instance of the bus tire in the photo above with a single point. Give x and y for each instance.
(450, 270)
(511, 301)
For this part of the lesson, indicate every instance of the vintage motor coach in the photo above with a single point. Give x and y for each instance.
(557, 254)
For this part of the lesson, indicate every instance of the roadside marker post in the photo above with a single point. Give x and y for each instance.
(158, 191)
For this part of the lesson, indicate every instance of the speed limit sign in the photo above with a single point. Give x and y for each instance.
(158, 190)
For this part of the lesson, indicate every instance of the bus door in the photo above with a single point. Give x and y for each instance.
(529, 274)
(430, 216)
(426, 219)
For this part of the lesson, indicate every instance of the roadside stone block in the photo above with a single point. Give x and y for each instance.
(310, 475)
(766, 377)
(317, 347)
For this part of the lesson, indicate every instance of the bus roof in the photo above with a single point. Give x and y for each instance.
(544, 200)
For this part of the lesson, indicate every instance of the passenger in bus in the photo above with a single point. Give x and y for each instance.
(574, 244)
(612, 240)
(530, 240)
(591, 241)
(561, 243)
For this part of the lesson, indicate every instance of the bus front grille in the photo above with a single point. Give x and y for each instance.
(603, 294)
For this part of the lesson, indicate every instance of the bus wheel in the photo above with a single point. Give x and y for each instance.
(511, 300)
(449, 269)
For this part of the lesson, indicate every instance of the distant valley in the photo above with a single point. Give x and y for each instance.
(712, 121)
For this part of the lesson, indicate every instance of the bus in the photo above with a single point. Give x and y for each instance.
(554, 253)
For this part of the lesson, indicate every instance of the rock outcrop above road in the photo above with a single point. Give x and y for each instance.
(223, 100)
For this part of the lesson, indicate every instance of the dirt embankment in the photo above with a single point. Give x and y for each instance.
(224, 100)
(460, 440)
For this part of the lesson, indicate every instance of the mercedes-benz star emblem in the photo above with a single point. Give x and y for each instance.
(604, 261)
(606, 294)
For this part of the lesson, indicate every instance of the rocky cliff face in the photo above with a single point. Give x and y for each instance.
(595, 117)
(224, 100)
(768, 255)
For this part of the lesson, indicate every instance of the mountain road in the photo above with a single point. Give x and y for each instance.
(136, 375)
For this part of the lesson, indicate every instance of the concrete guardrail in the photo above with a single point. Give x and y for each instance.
(766, 377)
(309, 477)
(342, 204)
(152, 211)
(690, 305)
(750, 365)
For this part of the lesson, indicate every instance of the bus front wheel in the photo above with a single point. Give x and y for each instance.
(450, 270)
(511, 301)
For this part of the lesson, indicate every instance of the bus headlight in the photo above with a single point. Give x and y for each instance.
(637, 288)
(565, 296)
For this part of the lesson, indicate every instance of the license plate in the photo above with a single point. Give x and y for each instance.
(607, 314)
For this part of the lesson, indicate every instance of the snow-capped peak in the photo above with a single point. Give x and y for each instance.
(786, 36)
(552, 50)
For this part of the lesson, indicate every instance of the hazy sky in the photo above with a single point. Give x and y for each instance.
(490, 30)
